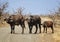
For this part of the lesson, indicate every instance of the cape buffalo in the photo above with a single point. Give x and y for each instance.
(15, 20)
(34, 20)
(48, 24)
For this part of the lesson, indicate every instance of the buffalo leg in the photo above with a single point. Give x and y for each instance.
(52, 29)
(22, 28)
(36, 29)
(12, 29)
(44, 30)
(30, 29)
(40, 28)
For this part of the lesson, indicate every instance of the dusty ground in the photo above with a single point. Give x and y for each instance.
(5, 35)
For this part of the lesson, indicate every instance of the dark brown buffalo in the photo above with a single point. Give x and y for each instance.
(15, 20)
(48, 24)
(34, 20)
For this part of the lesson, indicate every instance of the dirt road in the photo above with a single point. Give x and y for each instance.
(5, 36)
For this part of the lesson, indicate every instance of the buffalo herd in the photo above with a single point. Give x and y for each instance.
(32, 21)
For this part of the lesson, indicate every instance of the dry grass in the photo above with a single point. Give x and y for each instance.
(56, 35)
(4, 25)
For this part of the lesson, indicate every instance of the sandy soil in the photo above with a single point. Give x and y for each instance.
(5, 35)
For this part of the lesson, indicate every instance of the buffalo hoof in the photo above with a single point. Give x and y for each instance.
(39, 32)
(35, 33)
(11, 32)
(30, 32)
(52, 32)
(22, 33)
(46, 32)
(43, 32)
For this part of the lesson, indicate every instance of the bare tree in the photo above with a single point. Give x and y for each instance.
(55, 16)
(3, 7)
(20, 11)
